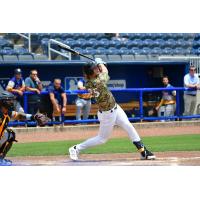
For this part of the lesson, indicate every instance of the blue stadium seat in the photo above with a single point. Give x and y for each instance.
(100, 36)
(156, 51)
(22, 51)
(101, 50)
(171, 43)
(194, 51)
(167, 51)
(135, 50)
(93, 42)
(89, 50)
(124, 51)
(149, 43)
(181, 43)
(7, 52)
(159, 43)
(113, 51)
(44, 35)
(80, 50)
(70, 42)
(81, 42)
(179, 51)
(146, 51)
(138, 43)
(104, 42)
(124, 35)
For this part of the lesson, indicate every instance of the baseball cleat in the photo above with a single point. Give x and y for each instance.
(147, 155)
(5, 162)
(73, 153)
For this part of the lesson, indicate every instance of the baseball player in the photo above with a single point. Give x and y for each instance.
(83, 102)
(109, 114)
(167, 105)
(16, 85)
(7, 136)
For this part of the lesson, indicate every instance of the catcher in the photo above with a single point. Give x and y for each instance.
(7, 136)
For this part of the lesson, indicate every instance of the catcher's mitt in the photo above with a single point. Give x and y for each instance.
(41, 119)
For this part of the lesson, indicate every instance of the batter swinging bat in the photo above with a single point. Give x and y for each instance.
(75, 52)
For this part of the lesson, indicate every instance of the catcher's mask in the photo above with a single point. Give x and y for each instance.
(7, 100)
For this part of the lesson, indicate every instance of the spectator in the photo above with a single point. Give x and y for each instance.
(191, 80)
(16, 86)
(167, 106)
(83, 102)
(33, 84)
(58, 97)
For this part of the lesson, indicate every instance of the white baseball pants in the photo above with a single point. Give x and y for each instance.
(107, 121)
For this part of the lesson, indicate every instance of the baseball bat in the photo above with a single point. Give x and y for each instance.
(75, 52)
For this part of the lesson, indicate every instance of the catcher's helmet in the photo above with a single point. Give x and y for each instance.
(88, 68)
(6, 100)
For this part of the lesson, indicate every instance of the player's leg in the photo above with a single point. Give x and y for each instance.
(187, 104)
(122, 121)
(5, 145)
(86, 109)
(193, 105)
(161, 111)
(169, 110)
(18, 107)
(107, 122)
(79, 106)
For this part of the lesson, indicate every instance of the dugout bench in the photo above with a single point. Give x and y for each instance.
(129, 106)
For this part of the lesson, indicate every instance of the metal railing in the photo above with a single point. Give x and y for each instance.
(141, 117)
(50, 49)
(28, 38)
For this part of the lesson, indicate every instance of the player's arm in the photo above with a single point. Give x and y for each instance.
(53, 100)
(101, 65)
(103, 68)
(188, 85)
(10, 88)
(64, 97)
(39, 118)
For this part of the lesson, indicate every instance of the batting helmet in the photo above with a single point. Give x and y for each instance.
(6, 100)
(88, 68)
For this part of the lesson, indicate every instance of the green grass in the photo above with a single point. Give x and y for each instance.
(119, 145)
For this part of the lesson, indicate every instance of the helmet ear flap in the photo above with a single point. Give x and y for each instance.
(88, 69)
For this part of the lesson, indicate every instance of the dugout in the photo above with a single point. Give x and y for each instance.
(137, 74)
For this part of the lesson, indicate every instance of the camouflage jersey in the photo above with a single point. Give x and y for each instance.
(100, 92)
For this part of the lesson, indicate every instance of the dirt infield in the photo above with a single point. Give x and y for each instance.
(125, 159)
(81, 133)
(128, 159)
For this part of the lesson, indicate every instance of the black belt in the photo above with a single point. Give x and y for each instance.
(84, 98)
(108, 110)
(192, 95)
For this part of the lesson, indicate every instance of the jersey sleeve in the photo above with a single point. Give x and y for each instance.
(27, 82)
(186, 82)
(50, 89)
(80, 84)
(104, 77)
(10, 84)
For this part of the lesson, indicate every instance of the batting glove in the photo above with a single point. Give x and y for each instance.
(99, 61)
